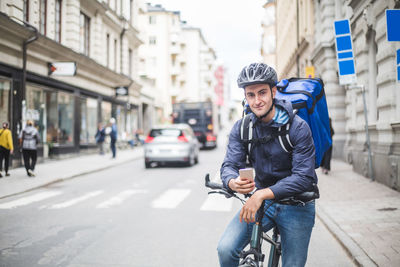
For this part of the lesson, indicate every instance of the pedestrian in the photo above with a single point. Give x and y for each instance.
(278, 173)
(113, 137)
(326, 159)
(100, 137)
(28, 139)
(6, 148)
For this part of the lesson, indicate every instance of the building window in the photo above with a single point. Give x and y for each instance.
(152, 40)
(84, 34)
(115, 54)
(152, 20)
(108, 50)
(88, 120)
(26, 10)
(106, 109)
(4, 99)
(42, 16)
(130, 62)
(35, 110)
(57, 21)
(65, 118)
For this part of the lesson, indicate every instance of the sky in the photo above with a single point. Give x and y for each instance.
(231, 27)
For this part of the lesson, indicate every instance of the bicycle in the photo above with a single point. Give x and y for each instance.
(254, 257)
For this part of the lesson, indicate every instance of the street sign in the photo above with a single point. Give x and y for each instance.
(344, 52)
(121, 90)
(62, 68)
(392, 25)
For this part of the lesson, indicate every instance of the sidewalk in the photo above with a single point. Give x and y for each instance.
(58, 170)
(363, 215)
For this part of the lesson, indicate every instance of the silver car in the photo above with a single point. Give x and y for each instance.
(171, 143)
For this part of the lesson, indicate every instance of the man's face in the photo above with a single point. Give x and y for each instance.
(259, 98)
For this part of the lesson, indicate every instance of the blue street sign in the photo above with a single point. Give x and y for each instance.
(344, 52)
(392, 25)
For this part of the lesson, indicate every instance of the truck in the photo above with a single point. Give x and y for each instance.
(202, 117)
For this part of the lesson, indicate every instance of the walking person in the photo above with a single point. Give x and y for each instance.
(28, 139)
(100, 137)
(326, 160)
(113, 137)
(6, 148)
(279, 173)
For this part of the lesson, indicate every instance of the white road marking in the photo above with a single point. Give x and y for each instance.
(76, 200)
(217, 202)
(30, 199)
(170, 199)
(118, 199)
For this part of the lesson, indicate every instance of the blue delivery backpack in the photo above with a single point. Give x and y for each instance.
(308, 100)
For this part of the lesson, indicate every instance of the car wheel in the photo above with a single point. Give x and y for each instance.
(147, 165)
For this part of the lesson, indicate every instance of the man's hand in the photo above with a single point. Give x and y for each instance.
(242, 186)
(11, 151)
(249, 210)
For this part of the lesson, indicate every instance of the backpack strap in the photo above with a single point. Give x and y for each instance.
(246, 134)
(283, 136)
(246, 130)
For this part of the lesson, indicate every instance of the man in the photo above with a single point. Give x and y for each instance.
(6, 148)
(28, 139)
(113, 137)
(279, 174)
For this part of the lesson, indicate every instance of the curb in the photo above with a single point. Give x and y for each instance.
(70, 177)
(358, 255)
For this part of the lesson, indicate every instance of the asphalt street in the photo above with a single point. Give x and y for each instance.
(130, 216)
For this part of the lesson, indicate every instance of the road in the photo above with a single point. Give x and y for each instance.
(130, 216)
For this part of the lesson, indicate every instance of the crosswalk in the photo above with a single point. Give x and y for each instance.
(101, 199)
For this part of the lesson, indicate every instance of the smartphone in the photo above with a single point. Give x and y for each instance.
(247, 174)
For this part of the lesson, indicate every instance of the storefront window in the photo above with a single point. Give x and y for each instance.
(65, 118)
(106, 112)
(4, 99)
(120, 117)
(88, 120)
(36, 110)
(51, 117)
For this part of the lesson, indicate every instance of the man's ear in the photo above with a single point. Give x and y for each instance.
(273, 91)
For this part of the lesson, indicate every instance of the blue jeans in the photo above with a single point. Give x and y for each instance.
(295, 224)
(113, 149)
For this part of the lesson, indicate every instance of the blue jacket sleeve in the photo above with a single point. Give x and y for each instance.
(235, 157)
(303, 165)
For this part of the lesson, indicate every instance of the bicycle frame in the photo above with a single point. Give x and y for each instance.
(257, 236)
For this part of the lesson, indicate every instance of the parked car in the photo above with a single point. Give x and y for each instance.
(171, 143)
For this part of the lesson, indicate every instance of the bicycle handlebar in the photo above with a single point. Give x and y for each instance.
(301, 198)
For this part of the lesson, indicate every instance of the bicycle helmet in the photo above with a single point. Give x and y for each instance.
(257, 73)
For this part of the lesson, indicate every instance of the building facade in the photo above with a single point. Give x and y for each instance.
(294, 37)
(177, 58)
(375, 69)
(268, 37)
(99, 38)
